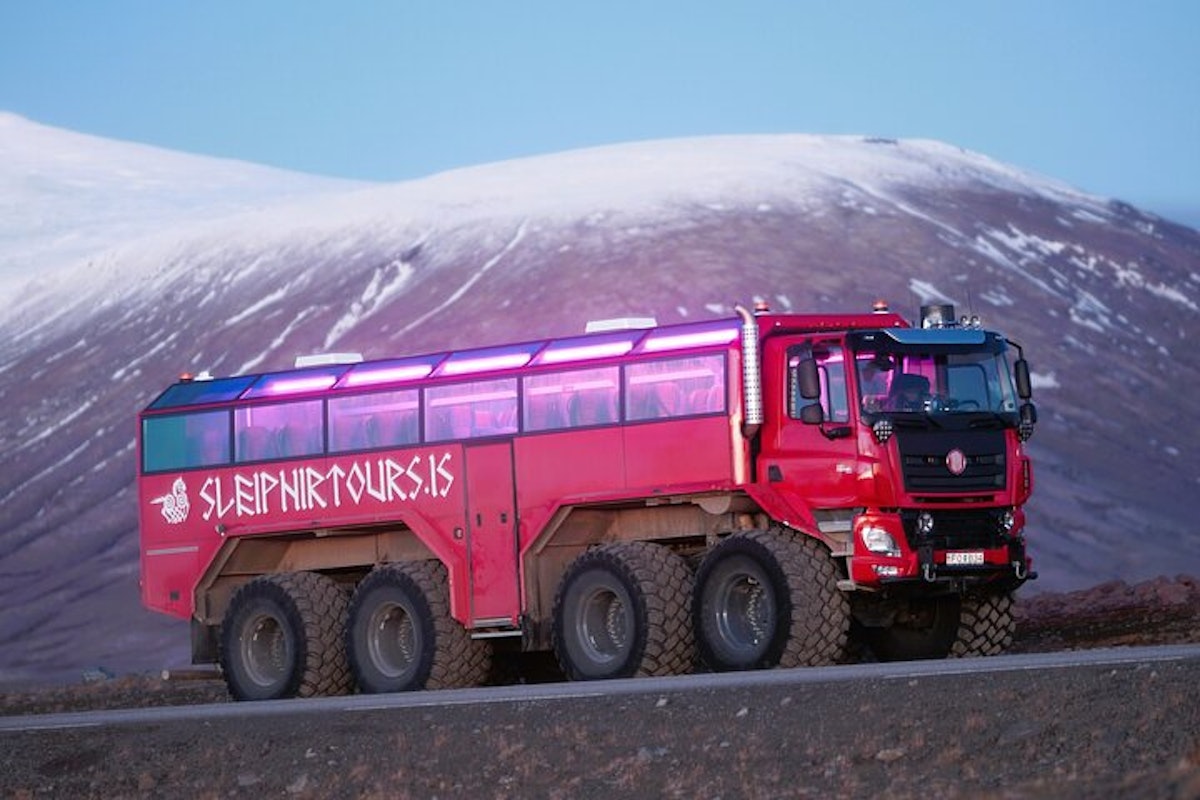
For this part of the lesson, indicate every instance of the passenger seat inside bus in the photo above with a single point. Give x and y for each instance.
(255, 443)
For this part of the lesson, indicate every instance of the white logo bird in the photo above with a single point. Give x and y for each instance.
(175, 505)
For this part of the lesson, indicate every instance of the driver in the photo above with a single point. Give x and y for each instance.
(909, 393)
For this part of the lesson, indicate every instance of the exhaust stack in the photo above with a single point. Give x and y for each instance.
(751, 376)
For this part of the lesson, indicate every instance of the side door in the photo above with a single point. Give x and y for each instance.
(491, 534)
(813, 457)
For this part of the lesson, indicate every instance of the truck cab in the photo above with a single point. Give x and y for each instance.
(903, 449)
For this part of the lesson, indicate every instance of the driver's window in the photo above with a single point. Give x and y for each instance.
(831, 368)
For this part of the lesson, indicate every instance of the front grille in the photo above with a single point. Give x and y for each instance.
(956, 530)
(923, 460)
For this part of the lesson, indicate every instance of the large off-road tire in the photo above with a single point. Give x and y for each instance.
(986, 625)
(401, 636)
(621, 610)
(282, 637)
(768, 599)
(922, 627)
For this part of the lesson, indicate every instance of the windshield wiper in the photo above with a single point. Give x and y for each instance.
(988, 419)
(913, 419)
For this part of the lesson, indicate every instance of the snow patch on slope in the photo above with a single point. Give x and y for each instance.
(386, 282)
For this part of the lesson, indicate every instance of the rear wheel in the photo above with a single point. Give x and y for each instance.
(401, 635)
(621, 611)
(921, 628)
(769, 598)
(282, 637)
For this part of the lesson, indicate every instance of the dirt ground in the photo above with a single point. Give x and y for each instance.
(1130, 732)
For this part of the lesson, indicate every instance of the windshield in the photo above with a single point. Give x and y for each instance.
(944, 383)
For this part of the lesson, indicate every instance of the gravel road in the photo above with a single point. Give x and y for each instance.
(1131, 730)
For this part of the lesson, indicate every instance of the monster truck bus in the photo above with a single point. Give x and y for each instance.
(760, 491)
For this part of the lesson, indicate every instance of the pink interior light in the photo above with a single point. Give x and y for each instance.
(373, 377)
(680, 341)
(485, 363)
(584, 352)
(312, 383)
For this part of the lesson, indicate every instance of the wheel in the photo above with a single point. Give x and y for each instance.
(621, 611)
(767, 599)
(401, 636)
(282, 637)
(923, 627)
(986, 625)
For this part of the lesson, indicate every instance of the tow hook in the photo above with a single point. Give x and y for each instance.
(927, 572)
(1019, 570)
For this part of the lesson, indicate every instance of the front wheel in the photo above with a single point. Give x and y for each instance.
(986, 625)
(769, 598)
(282, 637)
(621, 610)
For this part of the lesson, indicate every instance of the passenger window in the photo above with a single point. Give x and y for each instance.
(471, 410)
(382, 419)
(967, 387)
(676, 387)
(280, 430)
(570, 399)
(183, 441)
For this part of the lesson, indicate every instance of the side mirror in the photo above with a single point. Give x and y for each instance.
(1021, 373)
(812, 414)
(808, 379)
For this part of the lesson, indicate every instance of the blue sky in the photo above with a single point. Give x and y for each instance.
(1103, 95)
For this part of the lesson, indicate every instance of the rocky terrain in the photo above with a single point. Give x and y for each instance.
(1131, 731)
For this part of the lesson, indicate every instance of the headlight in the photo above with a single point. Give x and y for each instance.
(882, 430)
(877, 540)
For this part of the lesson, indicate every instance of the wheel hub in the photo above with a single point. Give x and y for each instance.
(264, 651)
(391, 639)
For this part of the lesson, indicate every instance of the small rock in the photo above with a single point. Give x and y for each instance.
(890, 754)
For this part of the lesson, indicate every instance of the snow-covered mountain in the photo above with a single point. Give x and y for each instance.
(65, 196)
(1103, 296)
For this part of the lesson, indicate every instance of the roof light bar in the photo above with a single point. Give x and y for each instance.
(485, 363)
(585, 352)
(394, 374)
(312, 383)
(657, 343)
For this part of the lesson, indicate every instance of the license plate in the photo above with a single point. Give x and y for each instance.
(964, 558)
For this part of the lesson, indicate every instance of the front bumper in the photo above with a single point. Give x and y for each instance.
(965, 549)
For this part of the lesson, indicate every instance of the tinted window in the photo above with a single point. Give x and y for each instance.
(383, 419)
(675, 387)
(203, 391)
(181, 441)
(280, 430)
(571, 399)
(468, 410)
